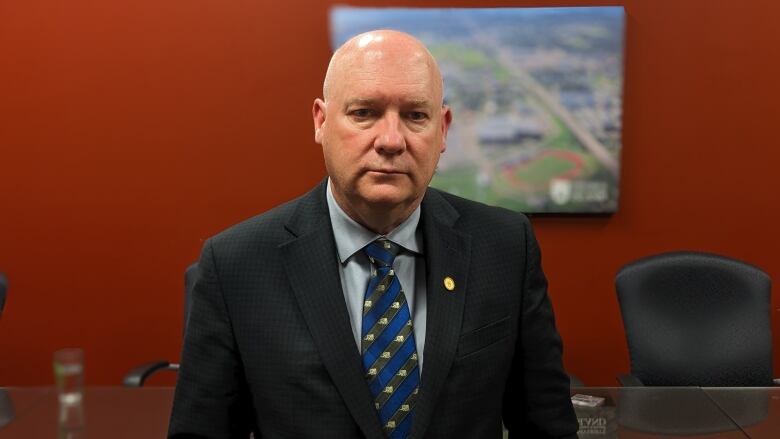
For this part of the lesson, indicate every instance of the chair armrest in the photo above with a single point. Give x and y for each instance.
(138, 375)
(627, 380)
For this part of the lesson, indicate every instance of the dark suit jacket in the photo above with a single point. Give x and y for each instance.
(269, 346)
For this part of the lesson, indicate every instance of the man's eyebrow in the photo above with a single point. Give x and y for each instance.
(422, 102)
(370, 102)
(360, 102)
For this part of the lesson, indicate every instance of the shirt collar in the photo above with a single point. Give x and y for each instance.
(351, 237)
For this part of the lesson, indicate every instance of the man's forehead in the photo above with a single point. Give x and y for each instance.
(401, 85)
(385, 99)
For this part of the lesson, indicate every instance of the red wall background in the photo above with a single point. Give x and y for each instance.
(132, 130)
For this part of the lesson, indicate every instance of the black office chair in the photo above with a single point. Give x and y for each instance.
(696, 319)
(3, 289)
(6, 405)
(138, 375)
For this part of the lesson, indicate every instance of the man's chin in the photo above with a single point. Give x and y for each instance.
(387, 198)
(385, 201)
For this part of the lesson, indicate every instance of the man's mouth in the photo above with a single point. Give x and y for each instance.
(387, 171)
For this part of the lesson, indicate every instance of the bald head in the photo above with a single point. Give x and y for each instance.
(382, 126)
(375, 48)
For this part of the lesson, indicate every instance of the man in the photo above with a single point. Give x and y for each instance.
(373, 306)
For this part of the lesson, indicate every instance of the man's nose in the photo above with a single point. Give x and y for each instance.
(390, 137)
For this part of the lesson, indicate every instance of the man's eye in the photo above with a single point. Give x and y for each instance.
(361, 113)
(417, 116)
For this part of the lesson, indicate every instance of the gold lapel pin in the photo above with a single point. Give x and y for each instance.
(449, 283)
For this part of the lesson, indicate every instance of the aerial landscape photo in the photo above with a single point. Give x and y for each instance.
(536, 96)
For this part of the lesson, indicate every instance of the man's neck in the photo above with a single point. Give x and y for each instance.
(381, 219)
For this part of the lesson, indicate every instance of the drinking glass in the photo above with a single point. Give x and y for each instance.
(69, 375)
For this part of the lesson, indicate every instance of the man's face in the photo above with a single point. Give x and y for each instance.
(382, 128)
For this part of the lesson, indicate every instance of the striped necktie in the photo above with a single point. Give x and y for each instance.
(388, 347)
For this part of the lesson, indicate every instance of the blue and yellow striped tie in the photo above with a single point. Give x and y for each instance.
(388, 347)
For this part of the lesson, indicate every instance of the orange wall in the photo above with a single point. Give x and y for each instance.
(132, 130)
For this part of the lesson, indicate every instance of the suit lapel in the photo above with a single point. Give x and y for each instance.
(448, 254)
(311, 262)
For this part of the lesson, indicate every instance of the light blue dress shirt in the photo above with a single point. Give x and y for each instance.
(355, 268)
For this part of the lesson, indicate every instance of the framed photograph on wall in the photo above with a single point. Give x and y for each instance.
(536, 95)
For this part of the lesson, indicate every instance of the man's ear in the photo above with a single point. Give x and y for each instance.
(446, 119)
(318, 114)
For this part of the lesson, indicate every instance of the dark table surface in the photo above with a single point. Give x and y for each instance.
(110, 412)
(756, 410)
(650, 412)
(628, 412)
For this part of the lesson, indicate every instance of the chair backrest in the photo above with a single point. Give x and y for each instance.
(190, 276)
(3, 289)
(696, 319)
(138, 375)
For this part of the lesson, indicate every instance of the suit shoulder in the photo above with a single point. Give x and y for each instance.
(267, 228)
(480, 216)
